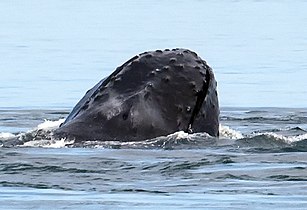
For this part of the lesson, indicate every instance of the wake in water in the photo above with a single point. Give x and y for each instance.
(280, 139)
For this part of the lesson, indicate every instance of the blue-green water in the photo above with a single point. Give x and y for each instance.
(150, 179)
(53, 51)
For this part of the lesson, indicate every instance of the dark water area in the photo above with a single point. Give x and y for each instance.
(148, 179)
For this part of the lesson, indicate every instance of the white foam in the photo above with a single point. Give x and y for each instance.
(227, 132)
(50, 125)
(179, 135)
(48, 143)
(287, 139)
(298, 138)
(47, 126)
(4, 136)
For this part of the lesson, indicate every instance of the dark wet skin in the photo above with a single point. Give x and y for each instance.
(153, 94)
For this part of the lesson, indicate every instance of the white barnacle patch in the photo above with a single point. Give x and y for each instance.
(114, 108)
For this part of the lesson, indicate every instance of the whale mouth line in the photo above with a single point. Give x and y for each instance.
(201, 96)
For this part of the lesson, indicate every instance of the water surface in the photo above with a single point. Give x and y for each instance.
(52, 52)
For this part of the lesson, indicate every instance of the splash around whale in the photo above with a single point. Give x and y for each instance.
(153, 94)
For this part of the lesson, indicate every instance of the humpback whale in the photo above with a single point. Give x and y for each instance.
(153, 94)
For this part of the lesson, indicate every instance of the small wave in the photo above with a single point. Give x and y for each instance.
(267, 119)
(48, 143)
(227, 132)
(175, 140)
(5, 136)
(49, 125)
(44, 138)
(40, 136)
(273, 142)
(282, 138)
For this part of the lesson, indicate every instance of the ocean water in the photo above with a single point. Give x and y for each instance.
(52, 52)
